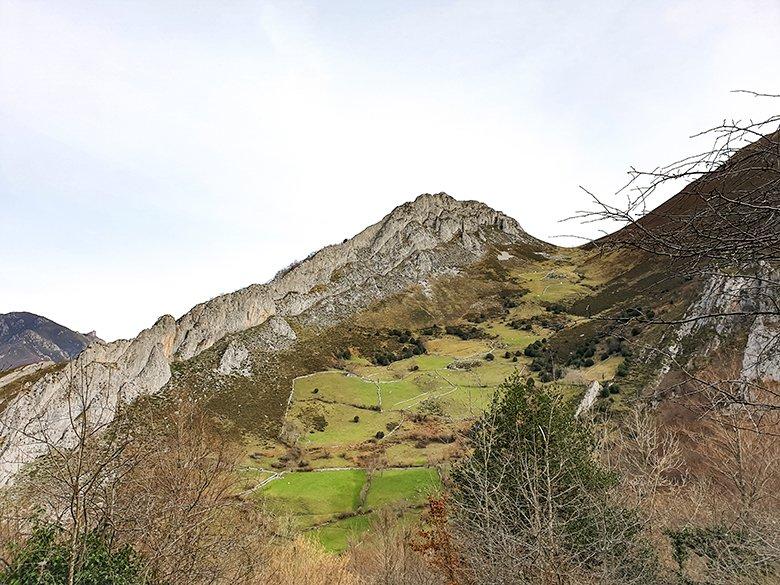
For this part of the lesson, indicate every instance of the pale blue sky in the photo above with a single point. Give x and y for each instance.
(155, 154)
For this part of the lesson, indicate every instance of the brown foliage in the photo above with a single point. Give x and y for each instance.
(436, 542)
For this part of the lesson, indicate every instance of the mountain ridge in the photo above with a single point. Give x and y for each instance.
(428, 237)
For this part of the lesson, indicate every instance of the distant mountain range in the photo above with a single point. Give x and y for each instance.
(26, 338)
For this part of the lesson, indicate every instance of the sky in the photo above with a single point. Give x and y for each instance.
(155, 154)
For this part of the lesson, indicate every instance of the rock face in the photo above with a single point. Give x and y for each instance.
(26, 338)
(737, 296)
(589, 399)
(235, 361)
(97, 381)
(431, 236)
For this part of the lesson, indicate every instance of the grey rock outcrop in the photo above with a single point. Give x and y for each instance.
(589, 399)
(728, 307)
(420, 240)
(235, 361)
(96, 382)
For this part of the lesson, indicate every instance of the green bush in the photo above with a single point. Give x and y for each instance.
(532, 463)
(45, 557)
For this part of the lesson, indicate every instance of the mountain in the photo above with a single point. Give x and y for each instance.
(346, 353)
(431, 237)
(26, 338)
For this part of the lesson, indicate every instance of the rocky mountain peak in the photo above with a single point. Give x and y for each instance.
(432, 236)
(442, 209)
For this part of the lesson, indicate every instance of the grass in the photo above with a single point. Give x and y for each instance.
(335, 536)
(401, 369)
(337, 386)
(514, 338)
(458, 348)
(408, 487)
(317, 495)
(318, 499)
(552, 283)
(249, 477)
(406, 454)
(341, 429)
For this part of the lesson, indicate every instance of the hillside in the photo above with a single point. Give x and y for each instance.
(26, 338)
(431, 237)
(367, 362)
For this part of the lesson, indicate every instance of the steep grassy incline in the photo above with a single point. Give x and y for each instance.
(398, 385)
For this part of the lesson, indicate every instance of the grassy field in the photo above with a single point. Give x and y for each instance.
(400, 388)
(336, 386)
(335, 536)
(318, 496)
(414, 412)
(407, 487)
(341, 429)
(355, 409)
(329, 502)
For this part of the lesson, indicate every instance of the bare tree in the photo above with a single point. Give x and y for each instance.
(76, 480)
(649, 461)
(386, 554)
(530, 504)
(178, 505)
(157, 477)
(722, 230)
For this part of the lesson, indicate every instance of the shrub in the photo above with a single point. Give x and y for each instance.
(490, 357)
(465, 332)
(45, 557)
(344, 354)
(319, 423)
(534, 349)
(431, 406)
(380, 435)
(432, 331)
(525, 440)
